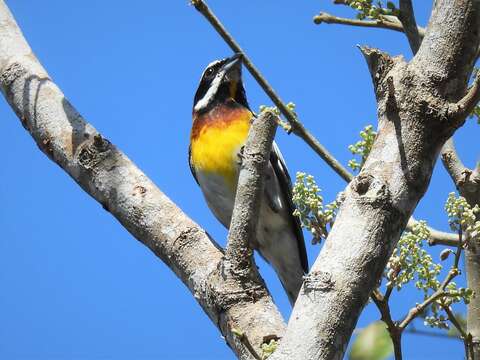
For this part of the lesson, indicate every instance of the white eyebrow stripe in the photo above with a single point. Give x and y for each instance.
(213, 63)
(212, 90)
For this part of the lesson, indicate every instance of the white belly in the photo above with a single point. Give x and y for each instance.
(219, 194)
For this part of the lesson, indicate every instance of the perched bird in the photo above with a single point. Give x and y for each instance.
(221, 120)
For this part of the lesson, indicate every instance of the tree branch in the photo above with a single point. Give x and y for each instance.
(255, 156)
(407, 18)
(395, 334)
(121, 188)
(453, 164)
(467, 338)
(390, 23)
(464, 107)
(437, 237)
(467, 181)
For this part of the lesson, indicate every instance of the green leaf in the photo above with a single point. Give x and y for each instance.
(372, 343)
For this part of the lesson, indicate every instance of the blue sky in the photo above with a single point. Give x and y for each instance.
(75, 284)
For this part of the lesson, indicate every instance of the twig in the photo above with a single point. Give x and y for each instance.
(388, 293)
(452, 163)
(394, 331)
(414, 312)
(407, 18)
(466, 180)
(466, 338)
(459, 248)
(395, 328)
(436, 237)
(454, 321)
(390, 23)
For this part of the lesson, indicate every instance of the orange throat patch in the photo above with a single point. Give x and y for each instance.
(216, 139)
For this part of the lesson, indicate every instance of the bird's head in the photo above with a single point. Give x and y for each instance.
(221, 83)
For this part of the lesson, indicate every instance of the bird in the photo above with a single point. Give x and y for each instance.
(221, 118)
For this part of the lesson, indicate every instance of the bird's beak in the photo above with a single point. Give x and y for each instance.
(232, 70)
(233, 61)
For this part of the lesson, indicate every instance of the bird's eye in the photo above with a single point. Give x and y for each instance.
(209, 72)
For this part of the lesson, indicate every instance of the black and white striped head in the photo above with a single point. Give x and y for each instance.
(221, 81)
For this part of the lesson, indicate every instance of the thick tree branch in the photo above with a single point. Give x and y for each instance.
(114, 181)
(407, 18)
(466, 180)
(390, 23)
(255, 155)
(378, 202)
(453, 164)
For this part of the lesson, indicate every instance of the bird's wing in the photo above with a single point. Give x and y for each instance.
(192, 169)
(285, 182)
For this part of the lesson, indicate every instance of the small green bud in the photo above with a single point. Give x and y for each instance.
(445, 254)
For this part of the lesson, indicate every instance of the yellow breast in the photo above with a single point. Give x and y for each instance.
(216, 140)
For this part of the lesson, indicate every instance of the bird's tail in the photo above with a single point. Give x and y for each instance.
(282, 254)
(292, 282)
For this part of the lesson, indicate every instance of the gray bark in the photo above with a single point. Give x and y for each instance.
(416, 115)
(121, 188)
(255, 156)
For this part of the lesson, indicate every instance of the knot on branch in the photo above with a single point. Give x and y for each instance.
(225, 293)
(232, 284)
(11, 73)
(371, 190)
(187, 237)
(93, 152)
(46, 145)
(318, 281)
(322, 17)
